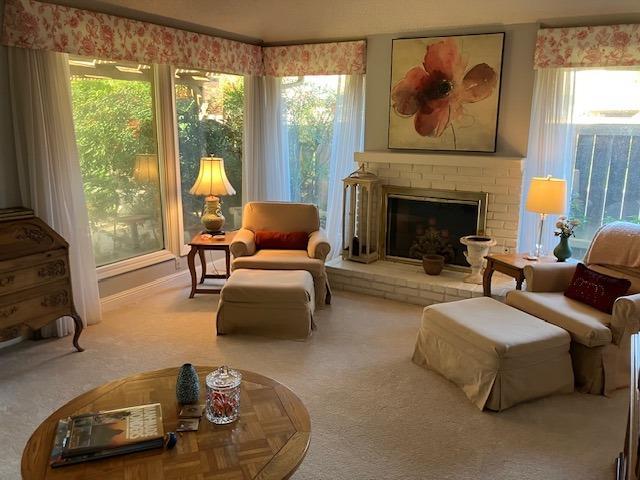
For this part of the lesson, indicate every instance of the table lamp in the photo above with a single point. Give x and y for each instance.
(145, 169)
(212, 180)
(546, 196)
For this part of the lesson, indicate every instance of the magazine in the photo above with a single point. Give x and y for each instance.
(104, 434)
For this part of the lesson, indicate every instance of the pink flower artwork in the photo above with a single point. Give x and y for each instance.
(435, 94)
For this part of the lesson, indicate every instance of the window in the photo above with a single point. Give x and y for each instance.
(309, 105)
(115, 125)
(210, 114)
(606, 180)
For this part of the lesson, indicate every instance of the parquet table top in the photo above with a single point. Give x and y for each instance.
(267, 442)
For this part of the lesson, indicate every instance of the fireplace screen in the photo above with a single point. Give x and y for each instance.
(420, 222)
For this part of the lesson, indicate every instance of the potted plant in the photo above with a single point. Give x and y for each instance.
(433, 247)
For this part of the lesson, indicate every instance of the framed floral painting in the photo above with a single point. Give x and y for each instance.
(445, 92)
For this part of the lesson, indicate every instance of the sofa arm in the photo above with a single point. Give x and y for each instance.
(243, 244)
(626, 317)
(318, 246)
(549, 277)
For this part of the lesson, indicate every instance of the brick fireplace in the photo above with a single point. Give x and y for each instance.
(496, 179)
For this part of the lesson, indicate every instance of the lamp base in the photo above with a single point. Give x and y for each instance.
(212, 218)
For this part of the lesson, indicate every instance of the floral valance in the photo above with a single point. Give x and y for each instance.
(600, 46)
(45, 26)
(315, 59)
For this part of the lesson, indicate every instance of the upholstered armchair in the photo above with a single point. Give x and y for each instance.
(284, 217)
(600, 342)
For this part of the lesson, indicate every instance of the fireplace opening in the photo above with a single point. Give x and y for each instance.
(421, 222)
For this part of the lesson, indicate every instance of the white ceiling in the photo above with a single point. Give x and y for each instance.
(281, 21)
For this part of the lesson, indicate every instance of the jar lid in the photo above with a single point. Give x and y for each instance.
(224, 377)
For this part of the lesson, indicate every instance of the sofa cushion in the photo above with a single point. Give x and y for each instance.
(631, 274)
(596, 289)
(496, 328)
(281, 260)
(281, 217)
(266, 239)
(269, 286)
(585, 324)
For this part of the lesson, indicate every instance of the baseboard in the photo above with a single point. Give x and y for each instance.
(178, 279)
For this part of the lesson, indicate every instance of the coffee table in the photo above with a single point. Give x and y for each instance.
(267, 442)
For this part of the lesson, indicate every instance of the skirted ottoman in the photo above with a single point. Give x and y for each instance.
(497, 354)
(276, 303)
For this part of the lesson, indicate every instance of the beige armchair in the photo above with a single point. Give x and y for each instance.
(600, 342)
(284, 217)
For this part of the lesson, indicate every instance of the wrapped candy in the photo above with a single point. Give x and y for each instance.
(223, 395)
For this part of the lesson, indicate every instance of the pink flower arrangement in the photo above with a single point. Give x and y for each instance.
(566, 227)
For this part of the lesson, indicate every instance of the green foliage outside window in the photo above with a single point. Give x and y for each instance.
(113, 122)
(200, 136)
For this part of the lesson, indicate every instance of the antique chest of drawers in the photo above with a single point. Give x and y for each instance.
(35, 279)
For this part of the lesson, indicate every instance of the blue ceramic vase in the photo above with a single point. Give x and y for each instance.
(562, 251)
(187, 385)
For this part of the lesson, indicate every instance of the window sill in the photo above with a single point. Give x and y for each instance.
(135, 263)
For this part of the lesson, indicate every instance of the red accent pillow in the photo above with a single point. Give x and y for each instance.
(596, 289)
(282, 240)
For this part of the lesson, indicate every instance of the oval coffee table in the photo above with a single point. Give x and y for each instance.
(267, 442)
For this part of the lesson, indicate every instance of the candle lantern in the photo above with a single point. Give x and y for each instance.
(360, 216)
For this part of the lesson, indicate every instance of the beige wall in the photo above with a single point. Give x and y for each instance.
(515, 97)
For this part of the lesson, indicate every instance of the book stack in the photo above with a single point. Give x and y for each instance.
(92, 436)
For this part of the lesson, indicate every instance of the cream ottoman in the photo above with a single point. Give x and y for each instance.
(278, 303)
(497, 354)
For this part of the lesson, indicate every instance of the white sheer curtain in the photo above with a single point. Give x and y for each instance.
(348, 138)
(49, 168)
(266, 173)
(552, 138)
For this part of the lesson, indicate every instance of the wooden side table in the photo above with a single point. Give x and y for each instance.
(511, 264)
(200, 244)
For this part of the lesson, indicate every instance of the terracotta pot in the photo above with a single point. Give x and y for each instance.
(432, 264)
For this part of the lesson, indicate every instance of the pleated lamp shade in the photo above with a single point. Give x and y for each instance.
(145, 169)
(547, 195)
(212, 179)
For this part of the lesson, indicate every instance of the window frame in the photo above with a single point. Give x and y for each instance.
(184, 247)
(170, 203)
(166, 127)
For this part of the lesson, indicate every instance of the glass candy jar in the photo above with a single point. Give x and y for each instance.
(223, 395)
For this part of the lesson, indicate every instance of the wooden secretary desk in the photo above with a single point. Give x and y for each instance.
(35, 280)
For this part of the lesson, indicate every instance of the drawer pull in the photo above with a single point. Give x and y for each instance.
(8, 280)
(7, 312)
(52, 269)
(56, 300)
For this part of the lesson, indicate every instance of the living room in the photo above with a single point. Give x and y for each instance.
(360, 240)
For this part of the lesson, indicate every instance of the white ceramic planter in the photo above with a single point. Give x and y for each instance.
(477, 248)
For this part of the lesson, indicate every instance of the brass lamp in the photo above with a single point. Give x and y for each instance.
(212, 181)
(546, 196)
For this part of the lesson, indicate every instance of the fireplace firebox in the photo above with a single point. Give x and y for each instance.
(419, 222)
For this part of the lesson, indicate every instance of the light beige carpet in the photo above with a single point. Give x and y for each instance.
(375, 415)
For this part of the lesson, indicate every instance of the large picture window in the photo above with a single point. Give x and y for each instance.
(606, 179)
(210, 114)
(115, 126)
